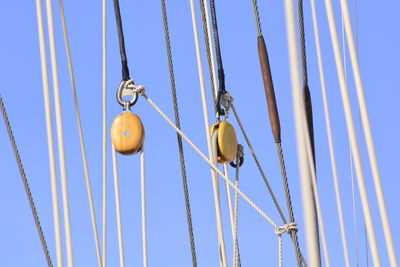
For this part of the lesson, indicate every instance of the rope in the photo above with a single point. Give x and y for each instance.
(49, 130)
(207, 129)
(104, 143)
(60, 133)
(258, 164)
(330, 138)
(235, 218)
(257, 18)
(204, 157)
(81, 139)
(121, 41)
(298, 100)
(179, 138)
(209, 50)
(287, 228)
(118, 209)
(143, 194)
(368, 135)
(26, 184)
(352, 134)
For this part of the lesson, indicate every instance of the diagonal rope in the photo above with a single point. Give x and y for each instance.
(49, 130)
(80, 131)
(26, 184)
(330, 138)
(60, 132)
(179, 138)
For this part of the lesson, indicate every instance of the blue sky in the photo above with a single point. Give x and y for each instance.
(168, 245)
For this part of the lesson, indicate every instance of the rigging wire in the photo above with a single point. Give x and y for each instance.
(104, 141)
(329, 134)
(179, 138)
(60, 132)
(121, 41)
(275, 123)
(49, 130)
(80, 131)
(26, 184)
(352, 135)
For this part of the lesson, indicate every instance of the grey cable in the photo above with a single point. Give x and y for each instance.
(303, 43)
(26, 184)
(258, 164)
(178, 124)
(257, 18)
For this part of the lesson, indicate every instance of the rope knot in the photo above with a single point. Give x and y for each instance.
(287, 228)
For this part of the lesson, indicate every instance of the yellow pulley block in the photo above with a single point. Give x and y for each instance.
(127, 133)
(226, 141)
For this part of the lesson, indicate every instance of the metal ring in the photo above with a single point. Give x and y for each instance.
(241, 161)
(121, 92)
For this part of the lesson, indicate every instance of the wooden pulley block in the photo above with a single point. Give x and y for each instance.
(127, 133)
(226, 141)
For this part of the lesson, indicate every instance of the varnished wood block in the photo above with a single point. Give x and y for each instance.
(227, 141)
(127, 133)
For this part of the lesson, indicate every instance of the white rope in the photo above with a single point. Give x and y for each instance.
(236, 261)
(60, 133)
(352, 134)
(81, 139)
(212, 165)
(104, 144)
(207, 128)
(229, 200)
(368, 134)
(214, 80)
(287, 228)
(118, 208)
(329, 133)
(305, 171)
(143, 194)
(49, 127)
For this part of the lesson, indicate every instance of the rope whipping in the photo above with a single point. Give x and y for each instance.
(179, 138)
(121, 41)
(26, 184)
(80, 131)
(275, 123)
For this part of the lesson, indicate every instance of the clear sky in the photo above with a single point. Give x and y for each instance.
(168, 245)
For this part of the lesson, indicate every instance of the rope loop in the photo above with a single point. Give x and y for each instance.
(128, 89)
(287, 228)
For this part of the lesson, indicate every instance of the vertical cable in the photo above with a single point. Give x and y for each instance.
(221, 241)
(179, 138)
(305, 171)
(121, 40)
(143, 198)
(60, 132)
(118, 209)
(104, 143)
(79, 126)
(352, 135)
(329, 134)
(49, 129)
